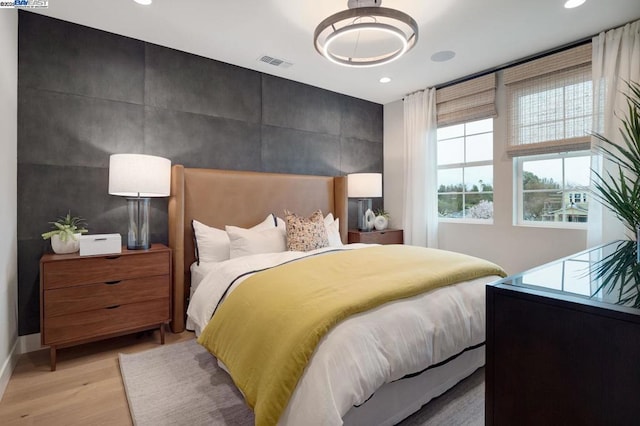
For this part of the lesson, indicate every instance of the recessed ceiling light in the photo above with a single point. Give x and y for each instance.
(443, 55)
(385, 80)
(144, 2)
(570, 4)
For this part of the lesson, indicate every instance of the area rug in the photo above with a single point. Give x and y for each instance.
(182, 384)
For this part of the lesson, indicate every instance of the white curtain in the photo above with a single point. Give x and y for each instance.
(616, 60)
(420, 169)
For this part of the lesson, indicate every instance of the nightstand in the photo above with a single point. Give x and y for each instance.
(87, 298)
(388, 236)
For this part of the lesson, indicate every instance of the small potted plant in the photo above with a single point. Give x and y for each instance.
(382, 220)
(65, 233)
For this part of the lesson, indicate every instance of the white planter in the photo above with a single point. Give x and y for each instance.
(64, 247)
(381, 223)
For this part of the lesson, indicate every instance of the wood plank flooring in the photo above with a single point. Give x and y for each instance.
(86, 389)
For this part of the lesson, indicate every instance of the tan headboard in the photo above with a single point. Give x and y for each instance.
(225, 197)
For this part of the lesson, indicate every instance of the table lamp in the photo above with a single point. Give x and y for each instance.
(363, 186)
(139, 177)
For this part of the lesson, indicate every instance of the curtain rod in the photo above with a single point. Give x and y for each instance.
(520, 61)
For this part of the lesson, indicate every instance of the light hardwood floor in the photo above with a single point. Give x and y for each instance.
(86, 388)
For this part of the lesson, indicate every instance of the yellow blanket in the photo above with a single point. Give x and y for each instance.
(267, 329)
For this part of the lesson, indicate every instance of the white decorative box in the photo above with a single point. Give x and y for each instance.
(100, 244)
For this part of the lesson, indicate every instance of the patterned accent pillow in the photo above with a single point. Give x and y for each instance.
(304, 234)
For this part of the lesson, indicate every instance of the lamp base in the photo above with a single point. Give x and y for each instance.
(365, 215)
(138, 235)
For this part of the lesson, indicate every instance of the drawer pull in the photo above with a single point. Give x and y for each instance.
(112, 257)
(112, 307)
(113, 282)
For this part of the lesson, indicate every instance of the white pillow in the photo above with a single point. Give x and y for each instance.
(212, 244)
(333, 230)
(333, 233)
(244, 242)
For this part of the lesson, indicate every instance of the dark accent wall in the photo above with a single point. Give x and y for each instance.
(84, 94)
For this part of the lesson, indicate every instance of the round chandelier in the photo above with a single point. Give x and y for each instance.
(365, 35)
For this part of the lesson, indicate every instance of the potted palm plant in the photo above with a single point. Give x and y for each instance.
(619, 191)
(65, 233)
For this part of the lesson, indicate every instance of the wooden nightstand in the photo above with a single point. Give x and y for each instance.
(86, 298)
(388, 236)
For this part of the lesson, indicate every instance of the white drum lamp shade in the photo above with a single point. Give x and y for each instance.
(138, 177)
(364, 186)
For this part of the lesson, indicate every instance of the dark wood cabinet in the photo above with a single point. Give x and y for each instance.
(85, 298)
(388, 236)
(557, 357)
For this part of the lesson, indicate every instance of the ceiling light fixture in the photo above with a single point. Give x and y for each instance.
(385, 80)
(144, 2)
(570, 4)
(365, 35)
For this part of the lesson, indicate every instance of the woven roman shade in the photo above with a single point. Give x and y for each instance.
(467, 101)
(550, 103)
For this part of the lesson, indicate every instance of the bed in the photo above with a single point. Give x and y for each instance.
(243, 199)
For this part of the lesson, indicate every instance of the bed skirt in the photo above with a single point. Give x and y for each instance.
(397, 400)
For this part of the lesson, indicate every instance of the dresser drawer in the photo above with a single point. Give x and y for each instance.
(389, 236)
(89, 297)
(90, 324)
(66, 273)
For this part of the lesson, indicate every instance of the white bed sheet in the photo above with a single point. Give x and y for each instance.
(198, 272)
(367, 350)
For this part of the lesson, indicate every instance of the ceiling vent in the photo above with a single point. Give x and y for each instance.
(276, 62)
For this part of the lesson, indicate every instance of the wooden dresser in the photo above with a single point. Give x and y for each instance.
(388, 236)
(86, 298)
(562, 351)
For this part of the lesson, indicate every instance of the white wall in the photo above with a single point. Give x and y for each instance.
(515, 248)
(8, 193)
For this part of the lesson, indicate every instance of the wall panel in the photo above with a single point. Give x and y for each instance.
(64, 57)
(180, 81)
(298, 106)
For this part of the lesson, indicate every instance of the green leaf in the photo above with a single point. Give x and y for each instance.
(619, 192)
(66, 226)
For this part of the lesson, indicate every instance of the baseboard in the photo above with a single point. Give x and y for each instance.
(24, 344)
(8, 367)
(29, 343)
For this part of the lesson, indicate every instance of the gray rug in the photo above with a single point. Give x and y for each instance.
(181, 384)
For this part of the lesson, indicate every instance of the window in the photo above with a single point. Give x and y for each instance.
(550, 114)
(553, 188)
(465, 171)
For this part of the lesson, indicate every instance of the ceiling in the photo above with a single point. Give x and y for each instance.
(483, 33)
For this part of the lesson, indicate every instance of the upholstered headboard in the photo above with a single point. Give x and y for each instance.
(225, 197)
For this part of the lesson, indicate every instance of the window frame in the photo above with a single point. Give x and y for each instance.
(463, 166)
(518, 196)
